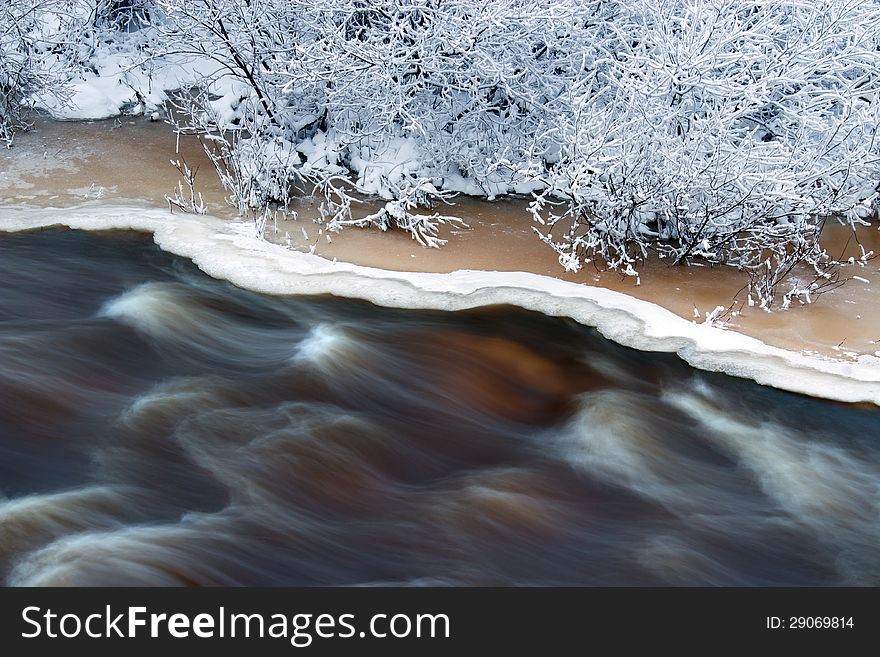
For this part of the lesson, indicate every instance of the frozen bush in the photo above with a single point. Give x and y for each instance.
(726, 132)
(722, 131)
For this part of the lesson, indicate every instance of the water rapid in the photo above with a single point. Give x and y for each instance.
(159, 427)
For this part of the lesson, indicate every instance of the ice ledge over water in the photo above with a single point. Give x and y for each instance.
(231, 251)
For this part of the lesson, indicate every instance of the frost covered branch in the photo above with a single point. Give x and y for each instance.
(723, 132)
(34, 38)
(186, 200)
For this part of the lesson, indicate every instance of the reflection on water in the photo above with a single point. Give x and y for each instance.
(160, 427)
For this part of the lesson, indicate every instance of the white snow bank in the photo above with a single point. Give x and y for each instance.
(230, 251)
(122, 82)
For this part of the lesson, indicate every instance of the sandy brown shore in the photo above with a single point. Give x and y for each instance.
(62, 164)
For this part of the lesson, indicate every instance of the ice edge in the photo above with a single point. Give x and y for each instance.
(230, 251)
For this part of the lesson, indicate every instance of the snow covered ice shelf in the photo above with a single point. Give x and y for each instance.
(231, 251)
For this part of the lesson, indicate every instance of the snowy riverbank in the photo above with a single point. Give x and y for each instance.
(229, 250)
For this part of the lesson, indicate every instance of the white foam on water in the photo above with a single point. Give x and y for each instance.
(135, 556)
(229, 250)
(610, 441)
(168, 313)
(324, 345)
(813, 480)
(58, 505)
(30, 520)
(153, 308)
(169, 396)
(614, 438)
(825, 487)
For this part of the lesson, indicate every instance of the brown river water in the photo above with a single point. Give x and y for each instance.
(160, 427)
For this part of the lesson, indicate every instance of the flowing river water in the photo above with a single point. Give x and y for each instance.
(161, 427)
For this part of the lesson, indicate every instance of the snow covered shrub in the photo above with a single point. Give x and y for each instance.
(34, 36)
(720, 131)
(49, 46)
(725, 131)
(407, 98)
(122, 15)
(16, 77)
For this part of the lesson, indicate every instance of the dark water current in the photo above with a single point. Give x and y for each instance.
(160, 427)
